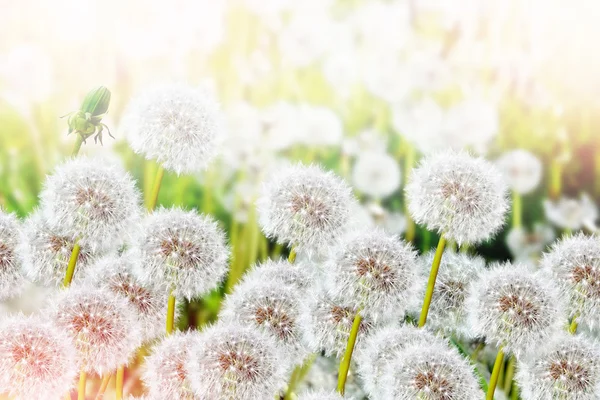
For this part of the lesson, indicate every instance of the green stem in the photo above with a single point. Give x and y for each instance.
(409, 160)
(435, 266)
(514, 395)
(573, 326)
(77, 145)
(81, 387)
(292, 256)
(156, 188)
(345, 363)
(508, 378)
(517, 213)
(71, 265)
(170, 313)
(495, 375)
(298, 375)
(103, 386)
(555, 179)
(119, 382)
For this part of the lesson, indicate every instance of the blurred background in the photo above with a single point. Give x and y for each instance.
(364, 87)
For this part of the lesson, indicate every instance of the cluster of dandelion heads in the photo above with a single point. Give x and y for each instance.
(515, 308)
(46, 253)
(574, 263)
(165, 373)
(177, 125)
(305, 207)
(93, 200)
(568, 368)
(182, 252)
(381, 348)
(102, 327)
(116, 274)
(462, 197)
(37, 359)
(375, 272)
(327, 323)
(11, 275)
(430, 372)
(521, 170)
(299, 275)
(271, 306)
(230, 361)
(320, 395)
(448, 308)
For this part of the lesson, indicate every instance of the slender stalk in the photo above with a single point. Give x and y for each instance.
(68, 396)
(103, 386)
(435, 266)
(156, 188)
(409, 160)
(170, 314)
(71, 265)
(517, 213)
(475, 354)
(508, 378)
(81, 387)
(495, 375)
(514, 395)
(573, 326)
(345, 363)
(119, 382)
(292, 256)
(77, 145)
(555, 180)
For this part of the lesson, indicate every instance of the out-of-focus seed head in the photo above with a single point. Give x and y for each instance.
(323, 373)
(93, 200)
(515, 308)
(430, 372)
(376, 174)
(521, 169)
(102, 327)
(116, 274)
(327, 323)
(571, 213)
(235, 362)
(11, 275)
(448, 308)
(375, 272)
(184, 252)
(305, 207)
(300, 275)
(164, 372)
(320, 395)
(574, 263)
(46, 253)
(381, 348)
(462, 197)
(177, 125)
(273, 307)
(37, 360)
(568, 368)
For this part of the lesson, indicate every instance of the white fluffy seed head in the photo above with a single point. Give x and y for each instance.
(327, 323)
(321, 394)
(430, 372)
(382, 348)
(93, 200)
(37, 359)
(515, 308)
(574, 264)
(46, 253)
(182, 251)
(11, 275)
(177, 125)
(164, 372)
(299, 275)
(116, 274)
(273, 307)
(305, 207)
(231, 361)
(102, 327)
(448, 308)
(568, 368)
(376, 174)
(375, 272)
(455, 194)
(521, 169)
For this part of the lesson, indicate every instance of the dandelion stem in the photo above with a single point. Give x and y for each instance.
(77, 145)
(517, 213)
(510, 371)
(103, 386)
(119, 382)
(573, 326)
(81, 387)
(495, 375)
(71, 265)
(156, 187)
(292, 256)
(409, 160)
(555, 179)
(435, 266)
(298, 374)
(170, 313)
(345, 363)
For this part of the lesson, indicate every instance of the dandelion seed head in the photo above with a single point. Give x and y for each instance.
(305, 207)
(462, 197)
(12, 280)
(179, 126)
(376, 174)
(231, 361)
(36, 358)
(182, 251)
(300, 275)
(521, 169)
(320, 395)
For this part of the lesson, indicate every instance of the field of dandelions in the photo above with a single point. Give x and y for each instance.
(299, 200)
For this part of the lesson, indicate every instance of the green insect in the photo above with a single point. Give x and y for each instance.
(88, 119)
